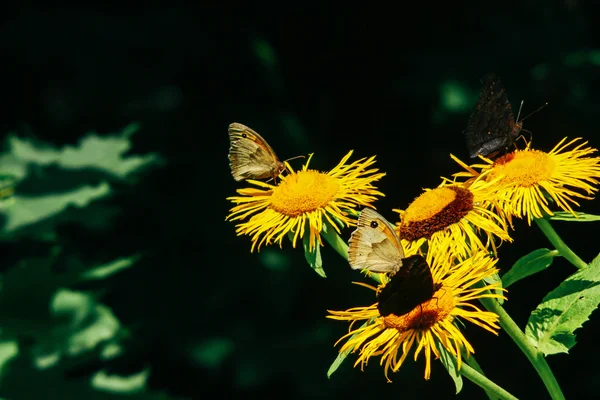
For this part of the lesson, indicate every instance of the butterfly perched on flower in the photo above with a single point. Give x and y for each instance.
(492, 128)
(374, 246)
(250, 156)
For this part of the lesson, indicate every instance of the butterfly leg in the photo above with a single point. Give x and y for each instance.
(421, 316)
(521, 136)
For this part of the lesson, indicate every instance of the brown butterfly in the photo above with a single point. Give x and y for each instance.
(250, 156)
(374, 245)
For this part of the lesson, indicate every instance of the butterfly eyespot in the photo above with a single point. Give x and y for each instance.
(244, 135)
(374, 224)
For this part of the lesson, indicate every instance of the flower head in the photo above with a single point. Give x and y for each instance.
(527, 179)
(303, 201)
(428, 325)
(450, 218)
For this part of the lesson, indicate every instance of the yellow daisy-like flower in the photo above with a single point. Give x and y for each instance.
(524, 178)
(303, 201)
(428, 325)
(450, 218)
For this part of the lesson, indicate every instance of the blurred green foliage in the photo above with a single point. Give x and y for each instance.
(51, 322)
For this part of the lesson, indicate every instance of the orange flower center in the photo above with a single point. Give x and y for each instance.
(524, 168)
(434, 211)
(303, 191)
(425, 315)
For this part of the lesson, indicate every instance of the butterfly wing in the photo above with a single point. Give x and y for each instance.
(411, 286)
(250, 156)
(491, 127)
(374, 245)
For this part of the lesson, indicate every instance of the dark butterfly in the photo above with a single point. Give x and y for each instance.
(409, 287)
(492, 129)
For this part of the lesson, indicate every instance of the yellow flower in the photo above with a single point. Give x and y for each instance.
(449, 219)
(428, 325)
(303, 201)
(526, 178)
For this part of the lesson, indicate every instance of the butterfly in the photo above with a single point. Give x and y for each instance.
(410, 287)
(374, 245)
(492, 129)
(250, 156)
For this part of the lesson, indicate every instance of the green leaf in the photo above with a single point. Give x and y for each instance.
(552, 324)
(7, 187)
(337, 362)
(212, 353)
(9, 349)
(31, 210)
(342, 355)
(331, 236)
(449, 362)
(534, 262)
(117, 384)
(581, 217)
(494, 279)
(106, 270)
(49, 180)
(313, 257)
(106, 153)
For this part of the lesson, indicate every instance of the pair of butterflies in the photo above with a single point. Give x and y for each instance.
(492, 129)
(374, 246)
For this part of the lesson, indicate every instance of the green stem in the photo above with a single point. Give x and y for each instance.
(472, 362)
(334, 240)
(535, 357)
(484, 383)
(558, 243)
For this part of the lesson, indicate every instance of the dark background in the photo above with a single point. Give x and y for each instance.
(396, 81)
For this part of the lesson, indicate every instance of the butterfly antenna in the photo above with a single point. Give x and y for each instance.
(519, 113)
(293, 158)
(530, 114)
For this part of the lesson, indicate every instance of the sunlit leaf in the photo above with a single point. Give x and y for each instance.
(88, 324)
(23, 381)
(581, 217)
(313, 257)
(342, 355)
(30, 210)
(337, 362)
(449, 362)
(8, 350)
(495, 279)
(106, 153)
(534, 262)
(552, 324)
(134, 383)
(104, 271)
(55, 181)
